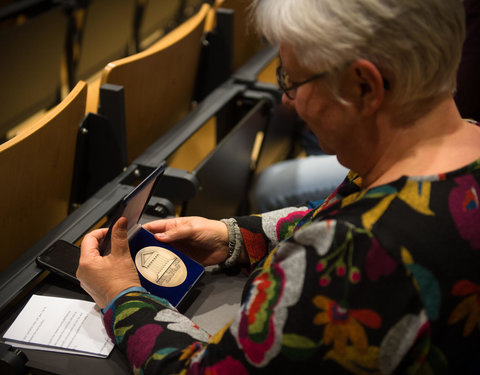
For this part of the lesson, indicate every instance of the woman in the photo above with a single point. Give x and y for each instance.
(291, 182)
(383, 277)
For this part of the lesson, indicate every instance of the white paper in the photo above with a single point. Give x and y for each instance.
(60, 324)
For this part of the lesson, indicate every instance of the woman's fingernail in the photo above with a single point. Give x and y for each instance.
(122, 223)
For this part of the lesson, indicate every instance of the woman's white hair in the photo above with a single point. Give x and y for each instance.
(416, 43)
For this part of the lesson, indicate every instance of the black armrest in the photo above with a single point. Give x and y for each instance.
(248, 72)
(177, 185)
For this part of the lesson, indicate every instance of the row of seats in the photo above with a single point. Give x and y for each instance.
(48, 46)
(157, 87)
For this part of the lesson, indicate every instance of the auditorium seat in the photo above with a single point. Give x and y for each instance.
(218, 184)
(190, 7)
(37, 168)
(158, 83)
(225, 174)
(246, 41)
(105, 33)
(30, 60)
(156, 19)
(247, 44)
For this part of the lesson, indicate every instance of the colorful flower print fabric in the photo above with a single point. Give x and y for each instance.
(379, 281)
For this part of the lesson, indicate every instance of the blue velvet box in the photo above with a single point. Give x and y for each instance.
(163, 270)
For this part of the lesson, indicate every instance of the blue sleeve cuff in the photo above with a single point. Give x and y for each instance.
(128, 290)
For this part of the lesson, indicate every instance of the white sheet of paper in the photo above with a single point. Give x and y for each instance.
(60, 324)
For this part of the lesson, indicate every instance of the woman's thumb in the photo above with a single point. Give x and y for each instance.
(169, 235)
(119, 236)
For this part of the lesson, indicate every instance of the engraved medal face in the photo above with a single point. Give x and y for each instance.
(161, 266)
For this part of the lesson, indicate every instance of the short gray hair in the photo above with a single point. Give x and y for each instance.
(417, 43)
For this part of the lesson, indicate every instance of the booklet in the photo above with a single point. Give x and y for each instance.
(62, 325)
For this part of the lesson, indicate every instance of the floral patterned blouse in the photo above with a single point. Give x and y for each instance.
(385, 280)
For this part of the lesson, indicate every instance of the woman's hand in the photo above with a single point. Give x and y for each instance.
(201, 239)
(104, 277)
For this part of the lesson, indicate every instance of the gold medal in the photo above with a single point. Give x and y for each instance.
(161, 266)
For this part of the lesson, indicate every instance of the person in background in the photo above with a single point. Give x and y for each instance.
(314, 177)
(383, 276)
(295, 181)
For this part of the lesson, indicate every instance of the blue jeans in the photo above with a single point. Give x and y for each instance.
(296, 181)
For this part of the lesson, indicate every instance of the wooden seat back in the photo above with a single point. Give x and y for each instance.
(158, 17)
(106, 35)
(158, 82)
(247, 42)
(37, 168)
(30, 61)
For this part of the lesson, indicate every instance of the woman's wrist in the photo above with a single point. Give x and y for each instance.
(235, 243)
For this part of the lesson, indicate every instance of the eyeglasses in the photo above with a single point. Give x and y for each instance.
(290, 87)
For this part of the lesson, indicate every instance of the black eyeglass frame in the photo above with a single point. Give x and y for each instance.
(295, 85)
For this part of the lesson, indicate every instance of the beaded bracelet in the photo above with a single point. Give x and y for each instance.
(235, 242)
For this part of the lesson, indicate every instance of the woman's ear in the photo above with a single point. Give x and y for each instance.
(366, 86)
